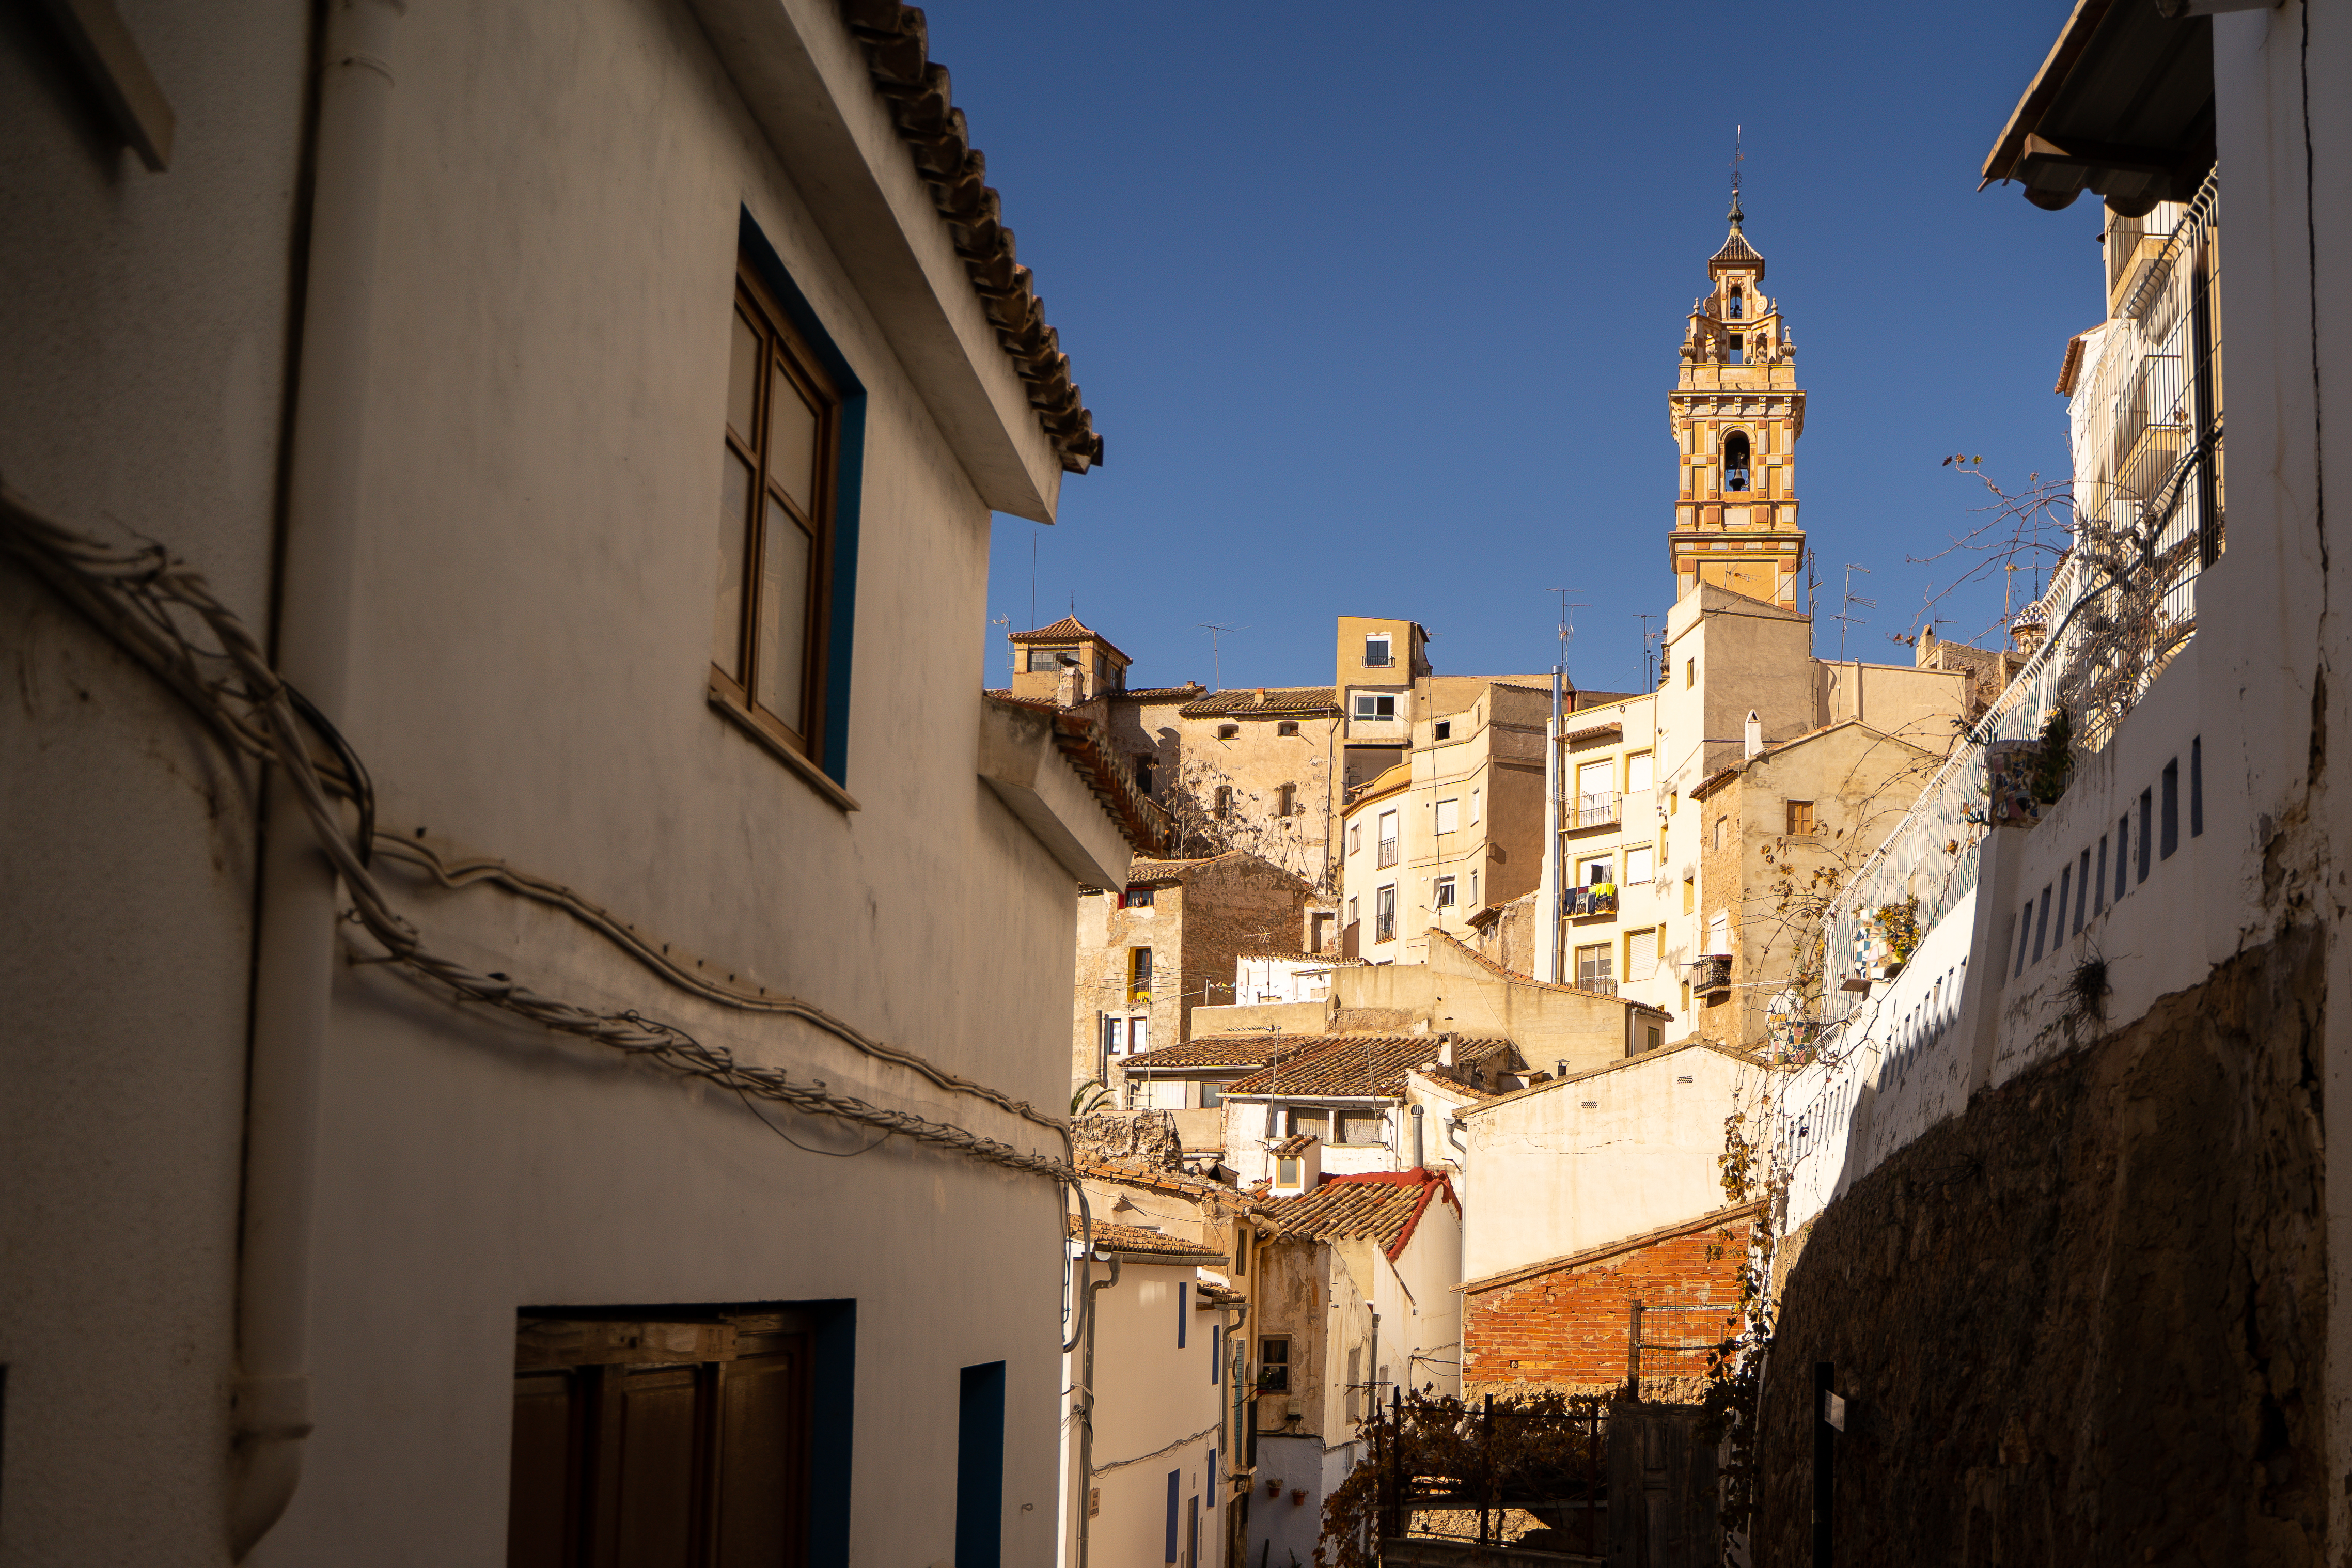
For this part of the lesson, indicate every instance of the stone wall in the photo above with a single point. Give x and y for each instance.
(1566, 1327)
(2083, 1321)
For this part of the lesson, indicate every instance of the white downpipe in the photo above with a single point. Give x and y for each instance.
(295, 946)
(1548, 892)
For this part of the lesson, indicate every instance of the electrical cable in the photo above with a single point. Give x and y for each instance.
(133, 594)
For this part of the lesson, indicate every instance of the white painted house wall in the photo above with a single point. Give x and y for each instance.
(528, 646)
(1158, 1409)
(1590, 1159)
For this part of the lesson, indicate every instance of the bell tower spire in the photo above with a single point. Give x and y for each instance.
(1736, 413)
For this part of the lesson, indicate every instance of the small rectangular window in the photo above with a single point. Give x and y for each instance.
(2082, 889)
(1216, 1374)
(2066, 892)
(1143, 774)
(1641, 954)
(1449, 816)
(1690, 894)
(2042, 925)
(1229, 731)
(1801, 818)
(2099, 881)
(1376, 652)
(1286, 726)
(2147, 812)
(1288, 1173)
(1183, 1310)
(2169, 840)
(1446, 892)
(1313, 1122)
(1641, 863)
(1384, 915)
(1046, 660)
(1594, 967)
(2025, 934)
(1690, 672)
(1443, 729)
(1137, 898)
(1360, 1128)
(1285, 800)
(2122, 858)
(1273, 1353)
(1223, 804)
(1138, 974)
(1474, 807)
(2197, 786)
(1375, 705)
(980, 1475)
(1638, 772)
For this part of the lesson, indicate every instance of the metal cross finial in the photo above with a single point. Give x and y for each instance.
(1738, 156)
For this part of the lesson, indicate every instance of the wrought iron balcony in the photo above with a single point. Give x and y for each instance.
(1593, 810)
(1591, 901)
(1712, 972)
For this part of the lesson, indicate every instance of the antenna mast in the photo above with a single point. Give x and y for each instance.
(1845, 615)
(1217, 664)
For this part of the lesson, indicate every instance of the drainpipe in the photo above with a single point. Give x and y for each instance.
(1548, 899)
(294, 956)
(1087, 1414)
(1417, 1148)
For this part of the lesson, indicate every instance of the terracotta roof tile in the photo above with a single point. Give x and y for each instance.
(1088, 748)
(1384, 1205)
(1290, 1148)
(1183, 693)
(1364, 1065)
(1135, 1239)
(1256, 1050)
(1272, 701)
(897, 57)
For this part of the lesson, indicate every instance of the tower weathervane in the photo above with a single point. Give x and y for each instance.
(1738, 156)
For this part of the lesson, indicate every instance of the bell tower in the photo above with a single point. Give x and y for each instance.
(1737, 417)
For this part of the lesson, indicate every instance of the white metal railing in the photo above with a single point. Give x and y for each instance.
(2147, 497)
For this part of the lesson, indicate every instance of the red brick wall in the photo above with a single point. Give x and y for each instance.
(1567, 1329)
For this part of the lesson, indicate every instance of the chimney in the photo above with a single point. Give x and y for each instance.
(1065, 687)
(1445, 1050)
(1755, 735)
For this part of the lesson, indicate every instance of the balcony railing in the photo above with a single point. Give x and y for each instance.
(1593, 810)
(1388, 852)
(1711, 974)
(1599, 984)
(1591, 901)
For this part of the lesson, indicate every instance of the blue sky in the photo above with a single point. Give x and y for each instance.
(1378, 306)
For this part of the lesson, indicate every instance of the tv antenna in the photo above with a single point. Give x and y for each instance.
(1649, 673)
(1567, 624)
(1845, 616)
(1217, 664)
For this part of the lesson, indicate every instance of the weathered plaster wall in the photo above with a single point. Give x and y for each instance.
(2085, 1319)
(142, 374)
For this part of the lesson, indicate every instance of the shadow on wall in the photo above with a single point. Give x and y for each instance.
(2087, 1318)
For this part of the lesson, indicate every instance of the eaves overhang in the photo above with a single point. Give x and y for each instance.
(2123, 107)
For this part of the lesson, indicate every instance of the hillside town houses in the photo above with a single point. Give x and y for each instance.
(470, 1080)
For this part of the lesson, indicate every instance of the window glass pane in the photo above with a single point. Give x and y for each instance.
(1641, 954)
(734, 539)
(791, 441)
(783, 616)
(744, 379)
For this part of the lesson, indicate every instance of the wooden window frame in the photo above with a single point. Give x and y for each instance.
(784, 350)
(1802, 823)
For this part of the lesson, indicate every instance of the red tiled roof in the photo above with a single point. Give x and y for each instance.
(1135, 1239)
(1384, 1205)
(1364, 1065)
(1069, 628)
(1270, 701)
(1255, 1049)
(1183, 693)
(1163, 1181)
(1290, 1148)
(897, 59)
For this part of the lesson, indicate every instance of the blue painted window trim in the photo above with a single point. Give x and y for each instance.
(848, 492)
(833, 1390)
(980, 1468)
(1174, 1476)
